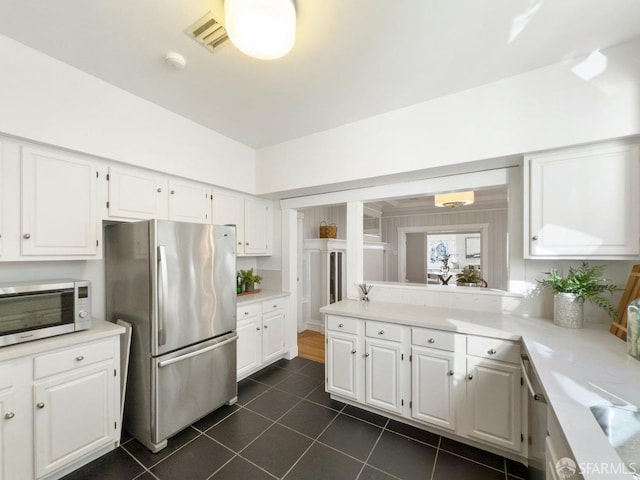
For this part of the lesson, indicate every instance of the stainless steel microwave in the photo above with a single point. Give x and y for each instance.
(33, 310)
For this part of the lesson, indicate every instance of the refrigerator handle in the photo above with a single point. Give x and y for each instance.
(171, 361)
(162, 291)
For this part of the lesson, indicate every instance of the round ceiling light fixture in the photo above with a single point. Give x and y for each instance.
(454, 199)
(264, 29)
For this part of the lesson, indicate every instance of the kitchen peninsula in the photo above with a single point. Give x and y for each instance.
(576, 368)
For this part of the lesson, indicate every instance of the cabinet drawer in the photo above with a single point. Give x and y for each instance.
(273, 305)
(72, 358)
(247, 311)
(503, 350)
(342, 324)
(387, 331)
(439, 339)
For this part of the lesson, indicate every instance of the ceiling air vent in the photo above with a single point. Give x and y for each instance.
(208, 32)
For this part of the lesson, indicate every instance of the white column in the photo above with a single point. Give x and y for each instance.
(290, 279)
(355, 253)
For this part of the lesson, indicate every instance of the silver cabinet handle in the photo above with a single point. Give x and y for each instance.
(40, 404)
(79, 358)
(275, 306)
(9, 415)
(239, 243)
(535, 237)
(247, 243)
(366, 354)
(492, 351)
(450, 373)
(246, 313)
(340, 325)
(159, 190)
(353, 352)
(265, 326)
(470, 376)
(257, 328)
(432, 340)
(27, 236)
(173, 192)
(381, 332)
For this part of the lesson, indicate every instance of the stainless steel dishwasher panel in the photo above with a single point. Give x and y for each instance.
(192, 382)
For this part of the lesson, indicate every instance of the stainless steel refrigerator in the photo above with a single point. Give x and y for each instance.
(175, 283)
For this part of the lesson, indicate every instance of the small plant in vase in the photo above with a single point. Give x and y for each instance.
(580, 284)
(470, 277)
(249, 279)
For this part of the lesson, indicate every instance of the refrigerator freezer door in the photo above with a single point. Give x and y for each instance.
(194, 270)
(190, 383)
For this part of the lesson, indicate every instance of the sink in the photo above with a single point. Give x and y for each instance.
(621, 425)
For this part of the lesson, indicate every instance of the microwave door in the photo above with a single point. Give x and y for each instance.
(190, 300)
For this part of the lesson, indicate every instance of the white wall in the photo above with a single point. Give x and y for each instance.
(546, 108)
(45, 100)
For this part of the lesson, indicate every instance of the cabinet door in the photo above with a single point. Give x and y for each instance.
(433, 396)
(383, 386)
(2, 200)
(229, 210)
(272, 336)
(257, 227)
(189, 202)
(58, 205)
(584, 202)
(15, 425)
(249, 346)
(74, 415)
(343, 374)
(136, 194)
(493, 402)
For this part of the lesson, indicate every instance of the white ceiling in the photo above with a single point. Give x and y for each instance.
(352, 58)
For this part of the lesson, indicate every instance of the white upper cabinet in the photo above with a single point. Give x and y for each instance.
(257, 228)
(136, 194)
(583, 202)
(189, 201)
(229, 210)
(58, 205)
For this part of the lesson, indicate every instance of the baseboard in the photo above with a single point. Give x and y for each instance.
(315, 326)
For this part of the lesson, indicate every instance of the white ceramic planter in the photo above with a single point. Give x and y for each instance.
(568, 310)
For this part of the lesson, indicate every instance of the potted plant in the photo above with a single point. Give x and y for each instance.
(470, 277)
(249, 279)
(580, 284)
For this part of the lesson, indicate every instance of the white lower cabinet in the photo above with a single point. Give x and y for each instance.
(467, 385)
(260, 335)
(59, 409)
(75, 414)
(433, 383)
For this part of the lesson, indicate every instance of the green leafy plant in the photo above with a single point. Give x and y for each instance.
(248, 277)
(585, 282)
(469, 275)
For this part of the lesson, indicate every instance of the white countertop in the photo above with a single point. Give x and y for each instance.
(577, 368)
(99, 329)
(260, 297)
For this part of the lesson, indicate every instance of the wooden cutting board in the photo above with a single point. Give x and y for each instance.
(631, 292)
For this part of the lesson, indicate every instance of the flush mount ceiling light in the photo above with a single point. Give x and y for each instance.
(264, 29)
(455, 199)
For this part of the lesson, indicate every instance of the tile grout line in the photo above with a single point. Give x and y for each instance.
(314, 441)
(172, 453)
(375, 444)
(435, 459)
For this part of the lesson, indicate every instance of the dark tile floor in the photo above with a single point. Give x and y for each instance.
(285, 426)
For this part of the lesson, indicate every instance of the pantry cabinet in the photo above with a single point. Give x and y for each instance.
(58, 205)
(465, 385)
(583, 202)
(260, 335)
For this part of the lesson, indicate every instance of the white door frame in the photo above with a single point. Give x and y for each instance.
(483, 228)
